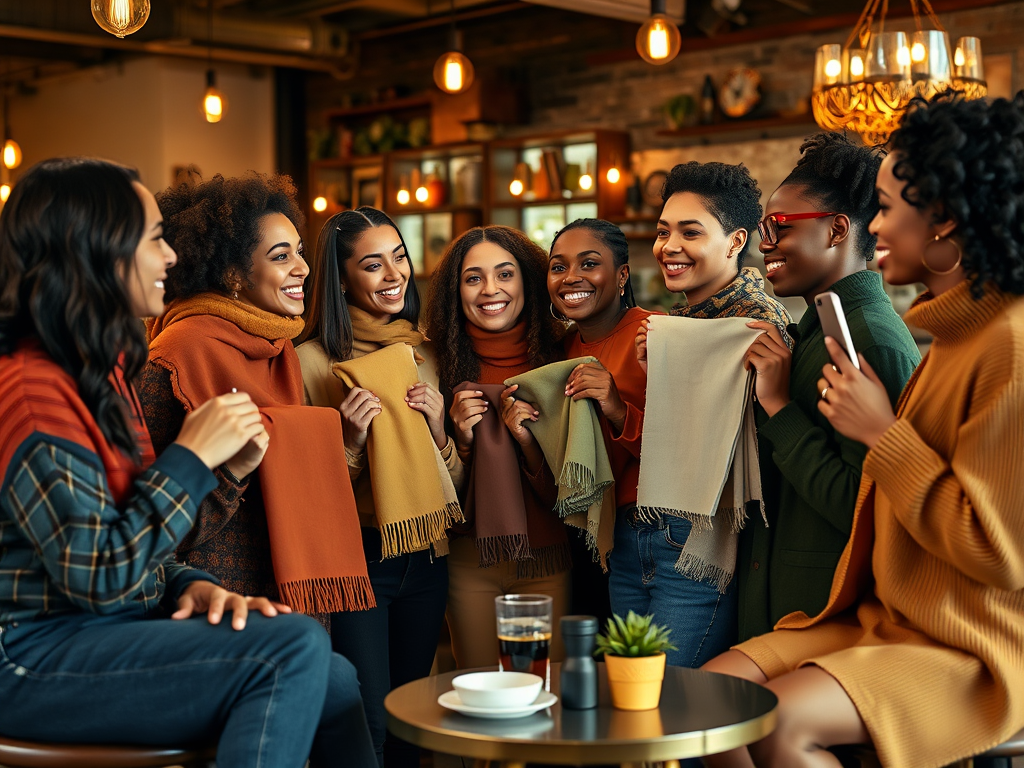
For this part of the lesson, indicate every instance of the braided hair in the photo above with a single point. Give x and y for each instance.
(614, 240)
(839, 175)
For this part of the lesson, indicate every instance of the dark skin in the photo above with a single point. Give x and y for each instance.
(585, 285)
(815, 254)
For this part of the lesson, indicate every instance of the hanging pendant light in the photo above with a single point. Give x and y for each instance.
(120, 17)
(453, 71)
(658, 41)
(214, 105)
(865, 85)
(11, 150)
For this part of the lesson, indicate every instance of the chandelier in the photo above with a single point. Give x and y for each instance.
(865, 84)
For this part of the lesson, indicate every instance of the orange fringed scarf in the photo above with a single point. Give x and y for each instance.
(211, 344)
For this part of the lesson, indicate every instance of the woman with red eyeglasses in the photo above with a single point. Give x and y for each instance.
(814, 238)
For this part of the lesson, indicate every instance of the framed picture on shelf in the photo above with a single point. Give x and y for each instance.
(367, 187)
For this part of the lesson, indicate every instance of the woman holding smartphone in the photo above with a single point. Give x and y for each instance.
(918, 650)
(814, 238)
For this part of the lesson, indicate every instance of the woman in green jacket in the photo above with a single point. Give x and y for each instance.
(814, 238)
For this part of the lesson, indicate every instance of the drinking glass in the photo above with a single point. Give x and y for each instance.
(524, 633)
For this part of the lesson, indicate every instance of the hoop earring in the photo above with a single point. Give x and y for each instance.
(951, 270)
(551, 309)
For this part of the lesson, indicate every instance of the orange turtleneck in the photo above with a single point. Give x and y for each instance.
(502, 355)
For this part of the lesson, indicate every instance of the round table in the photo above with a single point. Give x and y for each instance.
(701, 713)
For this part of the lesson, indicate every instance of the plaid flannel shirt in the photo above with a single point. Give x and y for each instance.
(65, 546)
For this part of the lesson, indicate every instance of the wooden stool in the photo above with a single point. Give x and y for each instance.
(24, 754)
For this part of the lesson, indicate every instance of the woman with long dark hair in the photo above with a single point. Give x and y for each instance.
(91, 519)
(488, 317)
(919, 648)
(364, 355)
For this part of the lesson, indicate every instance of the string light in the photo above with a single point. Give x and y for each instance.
(320, 204)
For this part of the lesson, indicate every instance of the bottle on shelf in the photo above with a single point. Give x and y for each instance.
(437, 190)
(707, 101)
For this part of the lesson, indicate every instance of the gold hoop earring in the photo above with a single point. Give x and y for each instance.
(551, 309)
(951, 270)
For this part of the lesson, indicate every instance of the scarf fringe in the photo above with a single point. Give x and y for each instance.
(735, 517)
(329, 595)
(697, 569)
(546, 561)
(584, 490)
(404, 536)
(495, 549)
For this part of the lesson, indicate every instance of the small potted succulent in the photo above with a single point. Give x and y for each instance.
(634, 655)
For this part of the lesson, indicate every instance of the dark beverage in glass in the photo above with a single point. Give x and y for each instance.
(524, 634)
(525, 653)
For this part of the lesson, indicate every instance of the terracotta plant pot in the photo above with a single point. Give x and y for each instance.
(635, 683)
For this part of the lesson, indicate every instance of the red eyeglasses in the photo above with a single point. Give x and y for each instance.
(768, 228)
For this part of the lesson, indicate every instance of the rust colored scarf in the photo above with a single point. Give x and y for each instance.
(211, 344)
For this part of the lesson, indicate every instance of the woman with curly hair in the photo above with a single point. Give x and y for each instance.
(814, 238)
(363, 354)
(99, 630)
(703, 236)
(488, 318)
(920, 649)
(281, 522)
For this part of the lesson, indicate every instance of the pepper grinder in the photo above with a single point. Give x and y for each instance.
(579, 671)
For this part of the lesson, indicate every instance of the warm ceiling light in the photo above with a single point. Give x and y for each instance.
(516, 187)
(658, 41)
(5, 192)
(453, 71)
(12, 154)
(120, 17)
(833, 68)
(422, 194)
(586, 182)
(214, 103)
(320, 204)
(403, 197)
(918, 52)
(613, 175)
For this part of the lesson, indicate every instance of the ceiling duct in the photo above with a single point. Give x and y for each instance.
(637, 11)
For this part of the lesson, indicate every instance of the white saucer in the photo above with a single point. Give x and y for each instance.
(452, 701)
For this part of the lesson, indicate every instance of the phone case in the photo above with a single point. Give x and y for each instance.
(833, 323)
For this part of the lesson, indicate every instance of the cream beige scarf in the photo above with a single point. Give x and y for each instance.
(413, 493)
(699, 456)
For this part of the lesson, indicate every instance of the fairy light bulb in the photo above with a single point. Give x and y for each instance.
(214, 103)
(5, 192)
(422, 193)
(903, 56)
(918, 53)
(403, 197)
(516, 187)
(320, 204)
(120, 17)
(958, 58)
(857, 66)
(833, 68)
(586, 182)
(613, 175)
(12, 154)
(658, 41)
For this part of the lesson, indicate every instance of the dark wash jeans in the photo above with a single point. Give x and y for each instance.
(269, 695)
(394, 643)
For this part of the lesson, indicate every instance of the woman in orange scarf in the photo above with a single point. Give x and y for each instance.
(488, 316)
(282, 522)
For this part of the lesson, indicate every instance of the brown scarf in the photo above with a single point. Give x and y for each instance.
(211, 344)
(369, 335)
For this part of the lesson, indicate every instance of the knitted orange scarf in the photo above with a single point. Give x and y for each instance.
(211, 344)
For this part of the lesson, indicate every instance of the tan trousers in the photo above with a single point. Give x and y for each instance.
(471, 593)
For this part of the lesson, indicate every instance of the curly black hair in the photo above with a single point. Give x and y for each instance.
(614, 240)
(729, 193)
(839, 174)
(445, 322)
(214, 226)
(965, 159)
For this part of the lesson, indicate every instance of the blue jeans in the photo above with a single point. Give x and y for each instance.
(269, 695)
(644, 580)
(394, 643)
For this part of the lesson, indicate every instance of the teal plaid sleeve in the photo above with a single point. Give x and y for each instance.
(65, 546)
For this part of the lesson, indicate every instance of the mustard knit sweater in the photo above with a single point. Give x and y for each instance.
(924, 628)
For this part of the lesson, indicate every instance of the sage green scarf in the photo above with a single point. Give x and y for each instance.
(569, 434)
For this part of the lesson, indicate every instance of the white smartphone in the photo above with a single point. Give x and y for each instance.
(833, 323)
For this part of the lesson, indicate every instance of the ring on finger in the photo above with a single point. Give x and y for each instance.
(824, 394)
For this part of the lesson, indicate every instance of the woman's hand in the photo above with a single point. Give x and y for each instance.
(855, 402)
(640, 344)
(770, 357)
(206, 597)
(247, 460)
(219, 428)
(428, 401)
(514, 413)
(594, 381)
(468, 407)
(357, 411)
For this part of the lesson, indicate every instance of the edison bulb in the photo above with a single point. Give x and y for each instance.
(453, 72)
(918, 52)
(403, 197)
(12, 154)
(516, 187)
(213, 105)
(958, 58)
(903, 56)
(320, 204)
(658, 41)
(120, 17)
(857, 66)
(613, 175)
(422, 194)
(5, 192)
(586, 182)
(833, 68)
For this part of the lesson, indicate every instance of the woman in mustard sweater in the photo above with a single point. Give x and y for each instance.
(920, 650)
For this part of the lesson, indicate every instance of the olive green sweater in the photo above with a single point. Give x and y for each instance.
(810, 472)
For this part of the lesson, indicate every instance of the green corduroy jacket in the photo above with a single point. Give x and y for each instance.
(810, 473)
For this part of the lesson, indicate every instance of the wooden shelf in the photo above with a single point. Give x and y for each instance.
(381, 107)
(412, 210)
(550, 201)
(768, 127)
(347, 162)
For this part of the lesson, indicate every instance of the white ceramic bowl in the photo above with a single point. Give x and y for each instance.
(498, 690)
